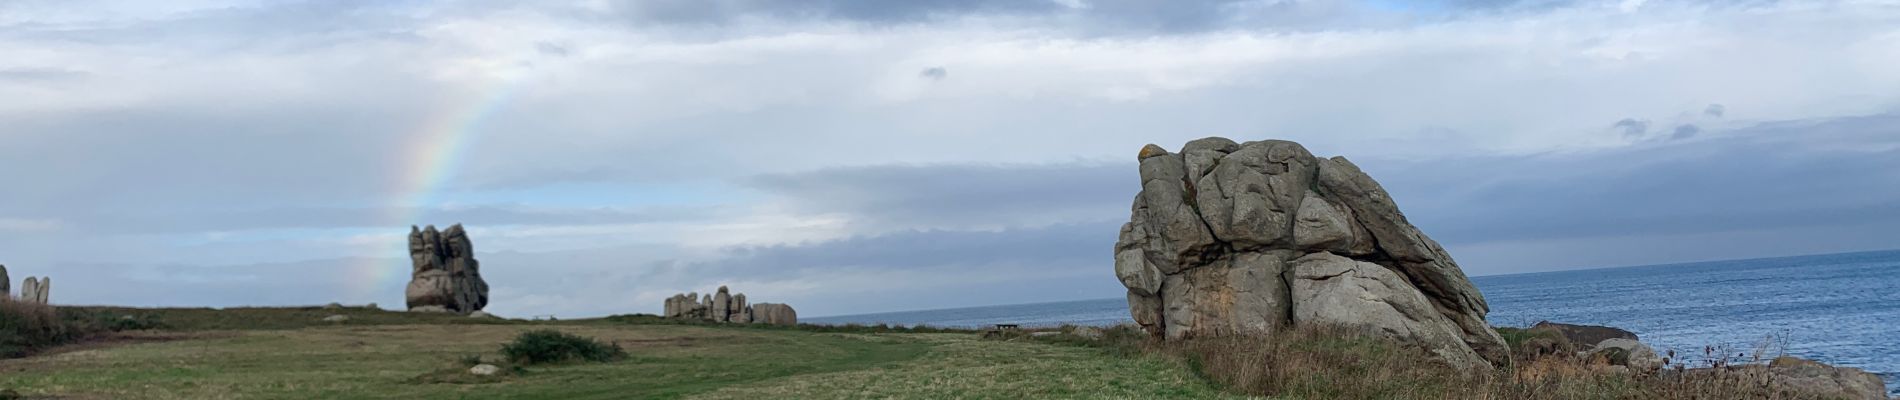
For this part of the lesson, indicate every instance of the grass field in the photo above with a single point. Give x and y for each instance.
(290, 353)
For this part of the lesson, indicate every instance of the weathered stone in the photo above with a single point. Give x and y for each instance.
(1585, 337)
(741, 313)
(1808, 376)
(1335, 290)
(1171, 234)
(482, 315)
(45, 295)
(6, 288)
(484, 370)
(29, 290)
(336, 318)
(774, 313)
(1132, 266)
(1146, 310)
(722, 306)
(1627, 352)
(1211, 237)
(445, 274)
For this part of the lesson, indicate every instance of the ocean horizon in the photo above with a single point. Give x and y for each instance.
(1842, 309)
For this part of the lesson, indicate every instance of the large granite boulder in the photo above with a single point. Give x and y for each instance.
(445, 277)
(1811, 377)
(774, 313)
(1229, 237)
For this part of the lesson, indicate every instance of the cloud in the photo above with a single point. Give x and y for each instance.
(242, 133)
(934, 73)
(39, 74)
(551, 49)
(1685, 131)
(1632, 128)
(959, 195)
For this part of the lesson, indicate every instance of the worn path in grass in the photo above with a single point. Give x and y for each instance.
(668, 361)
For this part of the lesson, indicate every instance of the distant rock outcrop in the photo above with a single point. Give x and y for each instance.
(1261, 236)
(35, 290)
(446, 277)
(6, 284)
(725, 306)
(1584, 337)
(774, 313)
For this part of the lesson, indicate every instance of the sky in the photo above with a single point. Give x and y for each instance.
(857, 156)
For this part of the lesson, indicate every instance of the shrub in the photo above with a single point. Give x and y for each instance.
(550, 346)
(25, 327)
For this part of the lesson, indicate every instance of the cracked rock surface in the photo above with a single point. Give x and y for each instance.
(1262, 236)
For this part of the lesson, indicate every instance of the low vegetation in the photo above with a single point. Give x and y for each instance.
(1340, 363)
(545, 346)
(293, 353)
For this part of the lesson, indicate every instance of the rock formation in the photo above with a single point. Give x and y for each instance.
(6, 289)
(1584, 337)
(1807, 376)
(774, 313)
(1262, 236)
(725, 306)
(446, 277)
(35, 290)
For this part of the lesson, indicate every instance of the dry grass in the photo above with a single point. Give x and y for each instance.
(1340, 363)
(28, 327)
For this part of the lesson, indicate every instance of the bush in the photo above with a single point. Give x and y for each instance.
(551, 346)
(25, 327)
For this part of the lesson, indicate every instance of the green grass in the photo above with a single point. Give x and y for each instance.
(290, 353)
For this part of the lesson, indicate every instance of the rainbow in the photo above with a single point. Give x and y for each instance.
(435, 151)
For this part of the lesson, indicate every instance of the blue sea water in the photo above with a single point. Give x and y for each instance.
(1842, 309)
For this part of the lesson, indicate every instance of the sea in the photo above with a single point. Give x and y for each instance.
(1841, 309)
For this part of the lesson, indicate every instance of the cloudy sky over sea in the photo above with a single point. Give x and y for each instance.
(852, 156)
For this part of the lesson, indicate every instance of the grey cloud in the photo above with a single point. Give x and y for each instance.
(1771, 176)
(367, 217)
(1632, 128)
(1055, 246)
(1684, 131)
(1715, 110)
(934, 73)
(550, 49)
(40, 74)
(960, 194)
(1092, 17)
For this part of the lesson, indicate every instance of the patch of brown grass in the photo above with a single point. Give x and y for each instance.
(1341, 363)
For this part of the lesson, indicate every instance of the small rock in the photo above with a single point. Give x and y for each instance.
(481, 314)
(372, 306)
(1043, 334)
(1631, 353)
(484, 370)
(333, 306)
(1089, 332)
(336, 318)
